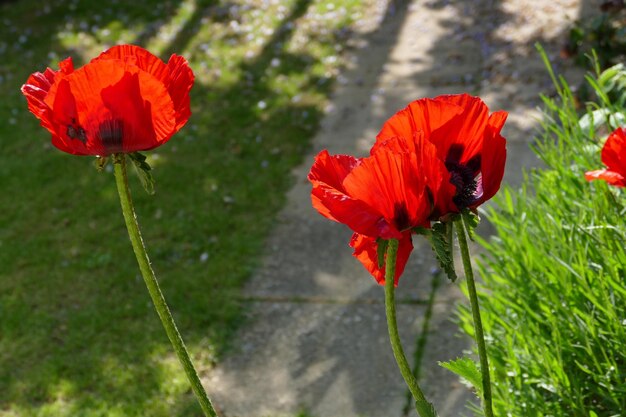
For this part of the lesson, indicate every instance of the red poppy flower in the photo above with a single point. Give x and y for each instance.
(614, 157)
(381, 196)
(125, 100)
(463, 144)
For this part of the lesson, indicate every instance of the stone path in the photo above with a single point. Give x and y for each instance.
(316, 340)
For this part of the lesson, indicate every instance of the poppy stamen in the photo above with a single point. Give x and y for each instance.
(76, 132)
(465, 177)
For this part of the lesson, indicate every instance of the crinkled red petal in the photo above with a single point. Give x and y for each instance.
(611, 177)
(176, 75)
(330, 198)
(124, 100)
(181, 80)
(466, 128)
(391, 183)
(366, 251)
(64, 116)
(35, 90)
(493, 157)
(332, 169)
(110, 91)
(427, 165)
(138, 56)
(66, 66)
(424, 115)
(614, 151)
(459, 120)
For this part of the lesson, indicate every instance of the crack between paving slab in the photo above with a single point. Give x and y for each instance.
(422, 338)
(327, 300)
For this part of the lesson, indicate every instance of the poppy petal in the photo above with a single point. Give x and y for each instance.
(66, 66)
(424, 115)
(35, 90)
(468, 166)
(496, 120)
(391, 183)
(64, 116)
(176, 75)
(614, 157)
(439, 190)
(445, 120)
(109, 90)
(331, 200)
(493, 157)
(331, 169)
(131, 117)
(181, 80)
(611, 177)
(466, 129)
(138, 56)
(124, 100)
(614, 151)
(366, 251)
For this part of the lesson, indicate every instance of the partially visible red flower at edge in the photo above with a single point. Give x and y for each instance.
(463, 143)
(614, 157)
(125, 100)
(381, 196)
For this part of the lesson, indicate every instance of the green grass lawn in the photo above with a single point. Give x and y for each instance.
(78, 333)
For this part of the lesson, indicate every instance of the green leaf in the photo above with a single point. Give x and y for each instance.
(143, 171)
(381, 250)
(422, 231)
(425, 409)
(466, 369)
(470, 220)
(592, 414)
(441, 242)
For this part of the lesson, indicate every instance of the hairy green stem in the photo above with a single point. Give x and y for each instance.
(478, 325)
(424, 408)
(163, 311)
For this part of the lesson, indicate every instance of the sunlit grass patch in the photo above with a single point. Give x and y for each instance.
(78, 335)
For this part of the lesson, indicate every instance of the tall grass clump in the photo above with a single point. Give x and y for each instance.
(554, 275)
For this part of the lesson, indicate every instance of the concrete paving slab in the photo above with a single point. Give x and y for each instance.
(447, 393)
(312, 255)
(317, 340)
(330, 360)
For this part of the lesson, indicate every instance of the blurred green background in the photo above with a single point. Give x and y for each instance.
(78, 333)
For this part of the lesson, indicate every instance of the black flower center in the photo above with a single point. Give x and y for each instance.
(111, 133)
(465, 177)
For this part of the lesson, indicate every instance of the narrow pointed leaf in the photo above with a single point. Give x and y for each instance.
(441, 242)
(470, 219)
(142, 168)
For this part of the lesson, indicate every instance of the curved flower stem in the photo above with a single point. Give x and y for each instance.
(424, 408)
(163, 311)
(478, 325)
